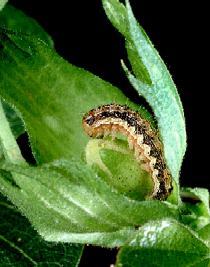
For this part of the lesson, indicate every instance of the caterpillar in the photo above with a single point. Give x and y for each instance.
(142, 138)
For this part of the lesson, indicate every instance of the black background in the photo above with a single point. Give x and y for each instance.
(83, 35)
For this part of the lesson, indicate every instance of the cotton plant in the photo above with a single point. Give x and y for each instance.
(89, 190)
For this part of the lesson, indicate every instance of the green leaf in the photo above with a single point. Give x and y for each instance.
(195, 208)
(153, 81)
(117, 14)
(20, 245)
(199, 194)
(204, 233)
(116, 163)
(16, 124)
(1, 153)
(2, 4)
(67, 202)
(13, 19)
(9, 149)
(51, 95)
(164, 243)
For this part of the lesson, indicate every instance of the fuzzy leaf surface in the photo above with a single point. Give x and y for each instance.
(66, 201)
(165, 243)
(152, 80)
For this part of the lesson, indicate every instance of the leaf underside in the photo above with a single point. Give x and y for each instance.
(152, 80)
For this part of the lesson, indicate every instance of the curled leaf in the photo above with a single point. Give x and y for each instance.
(153, 81)
(115, 162)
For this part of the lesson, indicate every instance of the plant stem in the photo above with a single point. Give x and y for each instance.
(8, 144)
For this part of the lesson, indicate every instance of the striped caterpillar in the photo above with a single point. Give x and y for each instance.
(148, 149)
